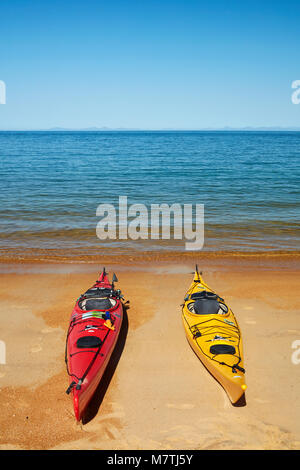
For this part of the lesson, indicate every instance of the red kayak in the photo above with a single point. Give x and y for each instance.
(93, 332)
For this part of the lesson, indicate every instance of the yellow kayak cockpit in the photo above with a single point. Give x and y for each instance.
(214, 334)
(203, 302)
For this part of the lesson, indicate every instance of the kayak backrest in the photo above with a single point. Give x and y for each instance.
(98, 292)
(204, 294)
(206, 306)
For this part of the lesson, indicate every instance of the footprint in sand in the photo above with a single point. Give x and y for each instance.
(259, 400)
(227, 403)
(117, 407)
(183, 406)
(36, 349)
(47, 330)
(112, 432)
(116, 415)
(183, 428)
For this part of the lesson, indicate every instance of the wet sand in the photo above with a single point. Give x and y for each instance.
(156, 394)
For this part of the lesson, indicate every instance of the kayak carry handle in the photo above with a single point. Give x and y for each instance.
(69, 389)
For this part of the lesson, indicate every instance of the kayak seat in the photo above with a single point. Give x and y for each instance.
(97, 303)
(207, 303)
(88, 342)
(206, 306)
(204, 294)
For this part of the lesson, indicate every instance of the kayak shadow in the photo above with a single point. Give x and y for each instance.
(96, 401)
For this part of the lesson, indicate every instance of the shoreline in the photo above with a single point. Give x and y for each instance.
(69, 255)
(155, 262)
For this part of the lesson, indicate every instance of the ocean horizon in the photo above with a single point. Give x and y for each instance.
(125, 129)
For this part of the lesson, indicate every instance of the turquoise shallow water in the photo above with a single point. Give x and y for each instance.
(52, 183)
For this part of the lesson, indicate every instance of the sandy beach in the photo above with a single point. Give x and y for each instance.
(155, 394)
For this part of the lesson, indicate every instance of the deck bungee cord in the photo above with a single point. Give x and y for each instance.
(196, 331)
(97, 352)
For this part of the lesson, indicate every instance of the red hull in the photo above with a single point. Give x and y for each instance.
(92, 336)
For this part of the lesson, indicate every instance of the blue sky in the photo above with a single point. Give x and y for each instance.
(149, 64)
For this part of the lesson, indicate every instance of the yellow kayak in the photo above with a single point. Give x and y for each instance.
(214, 335)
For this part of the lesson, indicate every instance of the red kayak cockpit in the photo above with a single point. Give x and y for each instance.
(97, 303)
(102, 296)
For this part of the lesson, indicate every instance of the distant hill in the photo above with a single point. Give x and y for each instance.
(124, 129)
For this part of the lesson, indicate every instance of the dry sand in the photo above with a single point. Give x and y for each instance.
(156, 394)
